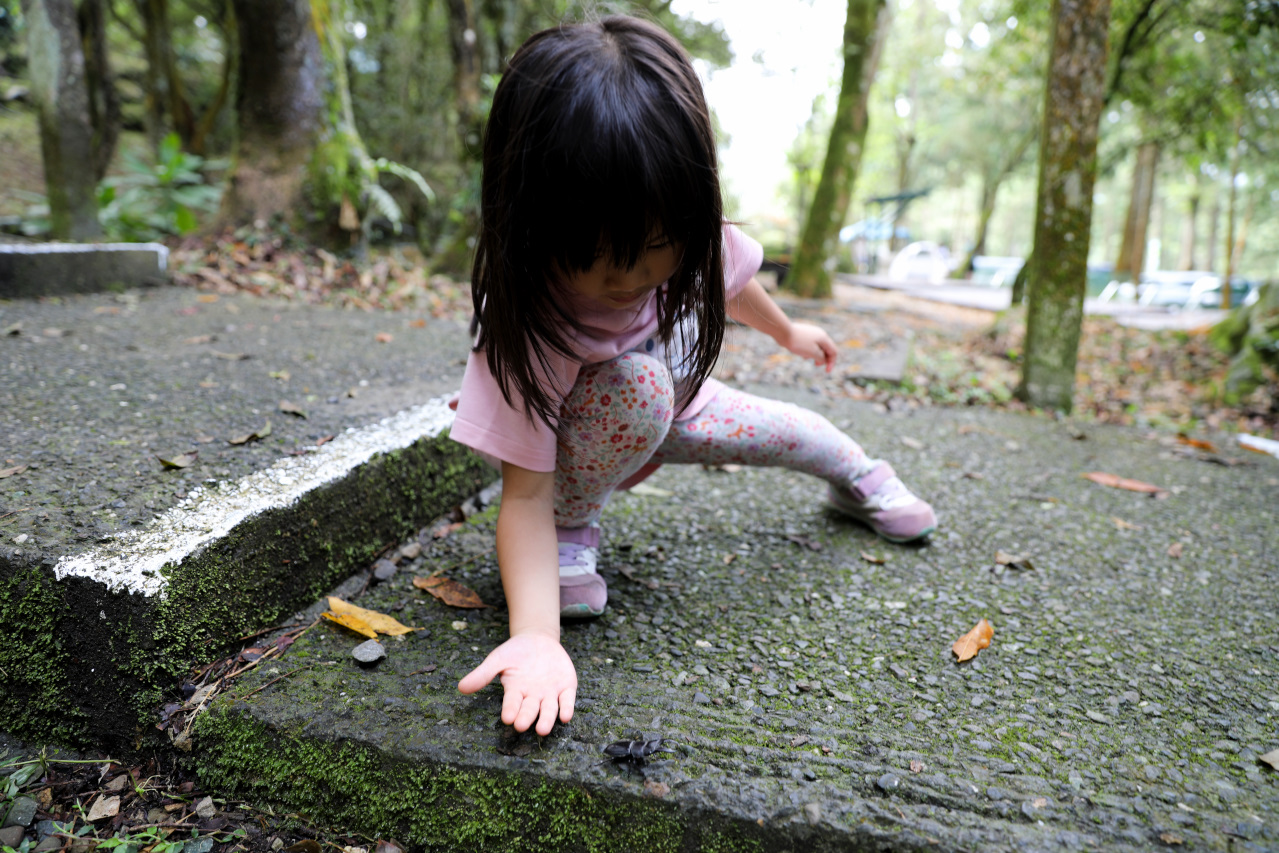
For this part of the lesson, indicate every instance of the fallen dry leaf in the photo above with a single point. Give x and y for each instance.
(810, 544)
(871, 558)
(291, 409)
(970, 644)
(1170, 839)
(253, 436)
(1271, 758)
(356, 624)
(912, 443)
(916, 766)
(1124, 525)
(384, 337)
(199, 339)
(1114, 481)
(728, 558)
(104, 807)
(182, 460)
(282, 375)
(649, 491)
(1016, 561)
(1196, 443)
(231, 356)
(379, 622)
(450, 591)
(207, 298)
(9, 472)
(1175, 549)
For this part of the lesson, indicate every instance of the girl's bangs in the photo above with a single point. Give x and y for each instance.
(624, 184)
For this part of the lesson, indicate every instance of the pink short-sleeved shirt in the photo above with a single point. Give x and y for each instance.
(488, 424)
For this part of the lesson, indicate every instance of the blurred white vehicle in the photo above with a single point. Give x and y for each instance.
(922, 261)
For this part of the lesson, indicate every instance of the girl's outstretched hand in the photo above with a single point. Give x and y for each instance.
(538, 678)
(811, 342)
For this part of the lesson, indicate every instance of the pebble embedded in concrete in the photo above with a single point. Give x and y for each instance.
(369, 652)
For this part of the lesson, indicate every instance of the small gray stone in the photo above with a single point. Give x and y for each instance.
(1152, 772)
(11, 836)
(369, 652)
(700, 698)
(205, 809)
(49, 844)
(995, 793)
(22, 812)
(384, 570)
(1098, 717)
(813, 811)
(887, 782)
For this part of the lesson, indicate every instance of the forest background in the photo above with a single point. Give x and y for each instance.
(1186, 176)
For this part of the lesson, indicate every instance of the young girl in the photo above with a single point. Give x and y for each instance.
(603, 274)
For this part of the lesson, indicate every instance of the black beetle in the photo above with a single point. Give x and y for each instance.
(634, 751)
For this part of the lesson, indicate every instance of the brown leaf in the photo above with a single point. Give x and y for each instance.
(810, 544)
(1170, 839)
(1124, 525)
(1016, 561)
(1196, 443)
(655, 789)
(9, 472)
(871, 558)
(207, 298)
(200, 339)
(291, 409)
(182, 460)
(970, 644)
(104, 807)
(231, 356)
(384, 337)
(263, 432)
(450, 592)
(1114, 481)
(916, 766)
(728, 558)
(1175, 549)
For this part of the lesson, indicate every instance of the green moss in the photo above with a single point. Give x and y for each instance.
(437, 807)
(34, 660)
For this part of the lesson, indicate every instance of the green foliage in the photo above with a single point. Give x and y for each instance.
(1251, 335)
(153, 201)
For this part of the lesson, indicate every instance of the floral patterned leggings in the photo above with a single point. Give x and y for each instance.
(622, 428)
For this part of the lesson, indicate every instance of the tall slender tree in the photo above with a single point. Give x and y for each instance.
(280, 106)
(865, 28)
(66, 132)
(1073, 99)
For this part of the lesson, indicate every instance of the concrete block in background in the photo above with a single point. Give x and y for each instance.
(53, 269)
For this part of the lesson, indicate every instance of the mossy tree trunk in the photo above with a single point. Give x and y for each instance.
(865, 29)
(66, 132)
(104, 100)
(1058, 275)
(280, 108)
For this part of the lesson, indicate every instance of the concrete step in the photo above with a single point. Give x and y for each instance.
(802, 674)
(117, 573)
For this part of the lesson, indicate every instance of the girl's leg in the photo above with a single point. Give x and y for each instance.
(620, 412)
(736, 427)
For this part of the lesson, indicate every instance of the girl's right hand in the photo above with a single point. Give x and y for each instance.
(538, 678)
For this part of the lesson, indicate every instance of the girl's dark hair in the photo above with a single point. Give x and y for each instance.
(598, 140)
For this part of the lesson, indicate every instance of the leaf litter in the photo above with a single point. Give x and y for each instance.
(967, 646)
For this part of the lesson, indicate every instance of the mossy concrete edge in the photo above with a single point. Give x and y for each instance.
(429, 803)
(85, 665)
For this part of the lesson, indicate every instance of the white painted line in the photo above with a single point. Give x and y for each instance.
(161, 251)
(132, 561)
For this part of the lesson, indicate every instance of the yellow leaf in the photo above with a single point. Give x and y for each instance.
(379, 622)
(970, 644)
(356, 624)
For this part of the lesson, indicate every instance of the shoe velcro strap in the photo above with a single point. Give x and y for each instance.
(870, 483)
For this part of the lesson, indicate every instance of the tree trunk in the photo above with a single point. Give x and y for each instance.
(280, 106)
(464, 42)
(989, 192)
(1214, 222)
(1132, 252)
(66, 133)
(104, 101)
(865, 30)
(1189, 232)
(1073, 100)
(1230, 215)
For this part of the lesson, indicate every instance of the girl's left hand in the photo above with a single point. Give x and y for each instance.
(811, 342)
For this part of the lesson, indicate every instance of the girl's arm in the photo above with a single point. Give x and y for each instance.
(538, 677)
(753, 306)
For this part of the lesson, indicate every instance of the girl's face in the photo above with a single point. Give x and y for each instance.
(617, 287)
